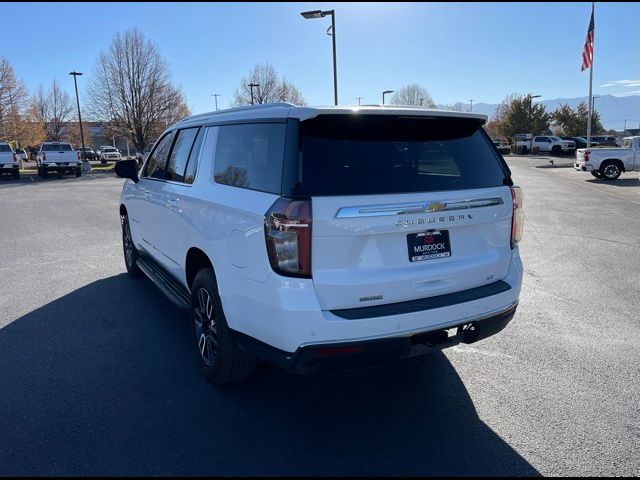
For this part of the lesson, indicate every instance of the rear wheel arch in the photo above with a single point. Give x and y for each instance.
(614, 160)
(195, 261)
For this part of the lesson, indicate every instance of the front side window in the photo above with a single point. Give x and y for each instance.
(155, 166)
(5, 148)
(250, 156)
(180, 154)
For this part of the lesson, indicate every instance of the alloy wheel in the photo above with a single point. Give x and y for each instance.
(206, 330)
(127, 242)
(611, 171)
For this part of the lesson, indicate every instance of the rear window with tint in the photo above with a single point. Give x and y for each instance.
(5, 148)
(60, 147)
(362, 155)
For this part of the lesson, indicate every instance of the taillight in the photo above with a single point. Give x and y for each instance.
(79, 156)
(586, 155)
(287, 228)
(15, 157)
(517, 219)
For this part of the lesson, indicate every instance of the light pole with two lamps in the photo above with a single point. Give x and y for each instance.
(215, 97)
(251, 85)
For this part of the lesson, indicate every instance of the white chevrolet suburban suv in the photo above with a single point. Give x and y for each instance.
(8, 160)
(326, 238)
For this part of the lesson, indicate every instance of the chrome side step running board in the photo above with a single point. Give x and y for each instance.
(167, 285)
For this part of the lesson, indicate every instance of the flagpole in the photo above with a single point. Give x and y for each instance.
(593, 52)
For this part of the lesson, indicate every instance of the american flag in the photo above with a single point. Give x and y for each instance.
(587, 51)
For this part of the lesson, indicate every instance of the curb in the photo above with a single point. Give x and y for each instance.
(561, 165)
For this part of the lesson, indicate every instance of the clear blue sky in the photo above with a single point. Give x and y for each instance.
(457, 51)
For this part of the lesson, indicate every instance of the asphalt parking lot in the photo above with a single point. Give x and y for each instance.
(98, 373)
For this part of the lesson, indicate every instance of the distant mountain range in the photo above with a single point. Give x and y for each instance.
(613, 110)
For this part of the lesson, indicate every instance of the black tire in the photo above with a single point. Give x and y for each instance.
(43, 172)
(596, 173)
(103, 161)
(78, 172)
(610, 170)
(129, 250)
(556, 150)
(220, 358)
(16, 174)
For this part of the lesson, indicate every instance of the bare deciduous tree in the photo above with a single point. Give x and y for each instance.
(457, 107)
(270, 88)
(132, 91)
(53, 109)
(413, 94)
(17, 122)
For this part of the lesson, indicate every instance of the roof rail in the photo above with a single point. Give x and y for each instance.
(239, 109)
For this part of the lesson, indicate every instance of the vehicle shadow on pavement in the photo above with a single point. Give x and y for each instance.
(621, 182)
(103, 381)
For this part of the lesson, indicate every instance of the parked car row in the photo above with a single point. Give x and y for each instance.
(60, 157)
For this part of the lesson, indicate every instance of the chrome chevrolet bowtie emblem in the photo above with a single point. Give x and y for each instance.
(434, 207)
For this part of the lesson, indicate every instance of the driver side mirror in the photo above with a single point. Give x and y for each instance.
(127, 169)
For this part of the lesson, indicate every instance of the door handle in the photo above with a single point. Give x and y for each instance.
(173, 202)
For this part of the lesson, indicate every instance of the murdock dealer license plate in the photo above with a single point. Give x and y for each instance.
(428, 245)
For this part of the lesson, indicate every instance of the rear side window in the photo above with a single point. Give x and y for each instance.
(155, 165)
(180, 154)
(5, 148)
(250, 156)
(363, 155)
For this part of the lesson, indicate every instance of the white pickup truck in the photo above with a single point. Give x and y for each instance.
(609, 163)
(58, 157)
(546, 143)
(8, 160)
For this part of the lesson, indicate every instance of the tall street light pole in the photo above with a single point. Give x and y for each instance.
(75, 82)
(251, 85)
(360, 98)
(321, 14)
(471, 105)
(215, 97)
(531, 97)
(384, 93)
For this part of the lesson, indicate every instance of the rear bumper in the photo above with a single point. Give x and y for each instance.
(61, 168)
(343, 356)
(285, 313)
(583, 167)
(11, 168)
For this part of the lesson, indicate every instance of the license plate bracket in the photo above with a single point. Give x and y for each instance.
(428, 245)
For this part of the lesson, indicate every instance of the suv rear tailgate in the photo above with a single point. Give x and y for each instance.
(365, 260)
